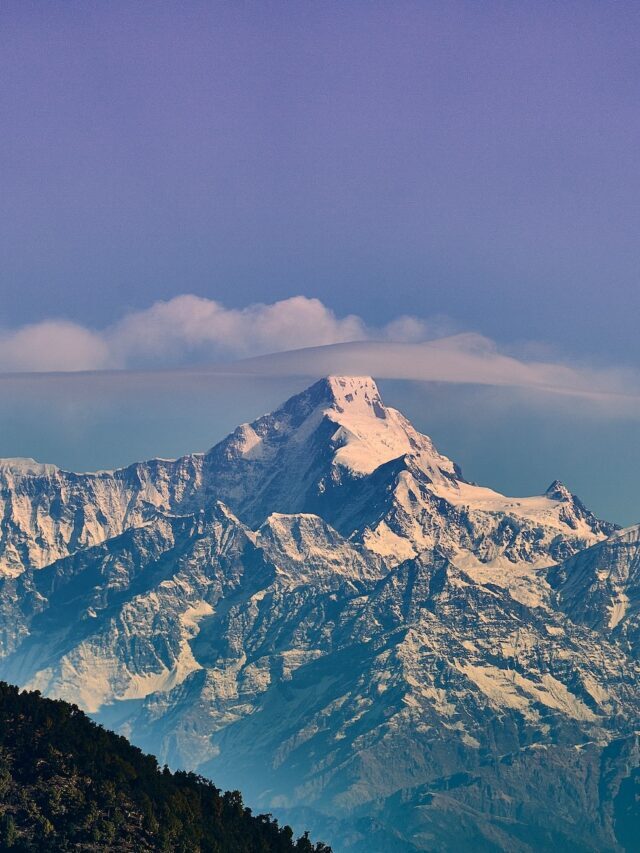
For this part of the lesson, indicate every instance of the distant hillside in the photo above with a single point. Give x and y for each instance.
(68, 784)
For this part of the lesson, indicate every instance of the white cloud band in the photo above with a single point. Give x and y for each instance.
(295, 336)
(190, 329)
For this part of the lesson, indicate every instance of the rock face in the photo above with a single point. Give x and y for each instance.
(600, 587)
(323, 612)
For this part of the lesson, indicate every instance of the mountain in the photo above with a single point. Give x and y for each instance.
(323, 612)
(68, 784)
(335, 450)
(600, 587)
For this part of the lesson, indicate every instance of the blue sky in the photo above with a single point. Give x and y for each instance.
(471, 165)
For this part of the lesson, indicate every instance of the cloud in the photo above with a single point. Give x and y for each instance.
(461, 359)
(190, 329)
(51, 346)
(299, 336)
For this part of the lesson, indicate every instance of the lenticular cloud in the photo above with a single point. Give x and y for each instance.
(296, 336)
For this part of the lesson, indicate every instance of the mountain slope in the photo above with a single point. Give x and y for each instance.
(323, 612)
(600, 587)
(66, 784)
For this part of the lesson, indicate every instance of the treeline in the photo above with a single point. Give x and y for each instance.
(66, 783)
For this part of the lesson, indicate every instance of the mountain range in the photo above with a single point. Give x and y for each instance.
(323, 612)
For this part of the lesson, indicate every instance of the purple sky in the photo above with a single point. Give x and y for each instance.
(474, 160)
(478, 160)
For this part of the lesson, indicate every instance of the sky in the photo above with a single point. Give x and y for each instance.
(477, 160)
(195, 183)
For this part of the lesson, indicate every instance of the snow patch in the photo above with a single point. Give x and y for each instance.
(509, 689)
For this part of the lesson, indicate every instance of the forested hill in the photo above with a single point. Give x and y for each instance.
(68, 784)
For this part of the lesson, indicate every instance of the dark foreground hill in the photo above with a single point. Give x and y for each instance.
(68, 784)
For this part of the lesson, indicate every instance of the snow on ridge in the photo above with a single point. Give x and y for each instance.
(26, 465)
(629, 534)
(544, 509)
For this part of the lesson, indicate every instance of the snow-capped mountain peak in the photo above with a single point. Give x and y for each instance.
(323, 611)
(557, 491)
(370, 434)
(334, 433)
(353, 393)
(335, 450)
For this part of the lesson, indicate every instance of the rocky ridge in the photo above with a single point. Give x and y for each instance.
(323, 612)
